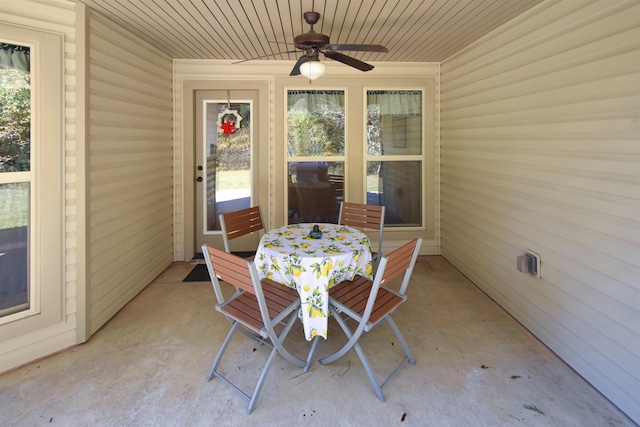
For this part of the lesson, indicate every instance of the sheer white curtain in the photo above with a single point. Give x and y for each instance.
(396, 102)
(12, 56)
(314, 100)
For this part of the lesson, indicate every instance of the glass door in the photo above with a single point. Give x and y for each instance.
(224, 162)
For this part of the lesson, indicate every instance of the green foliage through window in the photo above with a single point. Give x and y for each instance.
(315, 123)
(15, 120)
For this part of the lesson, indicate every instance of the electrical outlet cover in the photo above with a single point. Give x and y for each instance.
(537, 263)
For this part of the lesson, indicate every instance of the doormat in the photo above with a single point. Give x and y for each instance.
(198, 274)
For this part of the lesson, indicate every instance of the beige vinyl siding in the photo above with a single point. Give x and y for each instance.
(129, 168)
(540, 150)
(58, 18)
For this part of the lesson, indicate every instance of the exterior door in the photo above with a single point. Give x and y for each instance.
(225, 161)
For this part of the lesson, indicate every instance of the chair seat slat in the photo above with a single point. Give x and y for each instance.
(349, 286)
(244, 314)
(384, 305)
(279, 289)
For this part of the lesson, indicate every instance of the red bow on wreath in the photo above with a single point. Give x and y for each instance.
(228, 127)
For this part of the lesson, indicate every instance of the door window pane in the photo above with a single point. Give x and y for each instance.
(15, 159)
(228, 160)
(394, 154)
(315, 128)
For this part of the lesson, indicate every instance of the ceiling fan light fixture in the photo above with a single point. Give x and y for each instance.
(312, 69)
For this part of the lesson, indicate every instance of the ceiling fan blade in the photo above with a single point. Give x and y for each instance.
(352, 62)
(265, 56)
(296, 68)
(358, 47)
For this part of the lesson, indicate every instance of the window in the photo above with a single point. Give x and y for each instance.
(363, 140)
(31, 181)
(315, 155)
(394, 155)
(15, 178)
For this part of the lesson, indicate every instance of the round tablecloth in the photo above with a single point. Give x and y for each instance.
(289, 256)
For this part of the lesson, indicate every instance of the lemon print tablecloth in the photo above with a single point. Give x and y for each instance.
(289, 256)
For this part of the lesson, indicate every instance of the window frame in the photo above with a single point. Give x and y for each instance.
(46, 229)
(288, 159)
(394, 78)
(407, 157)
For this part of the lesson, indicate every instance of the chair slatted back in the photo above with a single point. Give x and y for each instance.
(239, 223)
(399, 262)
(364, 216)
(231, 269)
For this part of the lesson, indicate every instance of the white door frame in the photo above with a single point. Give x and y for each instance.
(185, 164)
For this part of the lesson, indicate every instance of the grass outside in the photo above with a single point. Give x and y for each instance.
(236, 180)
(373, 184)
(233, 180)
(14, 205)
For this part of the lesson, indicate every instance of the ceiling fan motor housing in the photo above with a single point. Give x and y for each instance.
(311, 39)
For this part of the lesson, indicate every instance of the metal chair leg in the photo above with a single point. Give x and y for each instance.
(311, 352)
(403, 343)
(283, 335)
(370, 374)
(353, 342)
(223, 348)
(263, 375)
(352, 339)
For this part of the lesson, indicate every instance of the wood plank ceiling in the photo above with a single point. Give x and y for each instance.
(413, 31)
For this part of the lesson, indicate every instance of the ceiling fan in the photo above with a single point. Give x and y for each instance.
(313, 44)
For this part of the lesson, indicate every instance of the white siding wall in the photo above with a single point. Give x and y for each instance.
(129, 168)
(540, 149)
(56, 17)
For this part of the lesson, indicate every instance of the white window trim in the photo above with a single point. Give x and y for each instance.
(46, 243)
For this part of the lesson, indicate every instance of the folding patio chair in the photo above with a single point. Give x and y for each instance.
(239, 223)
(370, 304)
(255, 309)
(364, 216)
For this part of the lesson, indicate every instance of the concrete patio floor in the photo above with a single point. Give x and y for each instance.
(476, 366)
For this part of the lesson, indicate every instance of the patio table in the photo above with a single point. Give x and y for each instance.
(289, 256)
